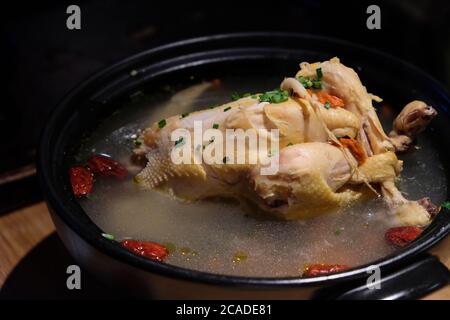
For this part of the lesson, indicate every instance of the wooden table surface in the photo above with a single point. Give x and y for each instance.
(24, 229)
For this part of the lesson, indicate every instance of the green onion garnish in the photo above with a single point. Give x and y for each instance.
(215, 126)
(338, 231)
(308, 83)
(179, 142)
(317, 84)
(327, 105)
(446, 204)
(305, 81)
(226, 109)
(274, 96)
(290, 144)
(319, 73)
(162, 123)
(184, 115)
(235, 96)
(108, 236)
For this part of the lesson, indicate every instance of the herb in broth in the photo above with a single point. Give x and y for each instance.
(446, 204)
(108, 236)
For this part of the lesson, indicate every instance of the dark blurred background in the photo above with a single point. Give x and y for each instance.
(41, 60)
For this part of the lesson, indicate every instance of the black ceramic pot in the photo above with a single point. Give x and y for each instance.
(409, 273)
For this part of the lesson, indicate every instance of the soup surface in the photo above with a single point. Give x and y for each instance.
(218, 236)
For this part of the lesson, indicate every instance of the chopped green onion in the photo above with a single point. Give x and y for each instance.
(215, 126)
(317, 84)
(137, 142)
(305, 81)
(162, 123)
(327, 105)
(308, 83)
(108, 236)
(290, 144)
(338, 231)
(235, 96)
(184, 115)
(319, 73)
(446, 204)
(226, 109)
(179, 142)
(274, 96)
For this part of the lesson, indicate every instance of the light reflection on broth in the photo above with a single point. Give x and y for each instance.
(218, 236)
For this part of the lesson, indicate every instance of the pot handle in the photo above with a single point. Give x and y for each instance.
(421, 277)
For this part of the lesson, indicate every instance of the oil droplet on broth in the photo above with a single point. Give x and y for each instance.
(215, 229)
(239, 256)
(171, 248)
(185, 251)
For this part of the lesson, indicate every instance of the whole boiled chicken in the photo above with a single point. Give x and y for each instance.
(329, 149)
